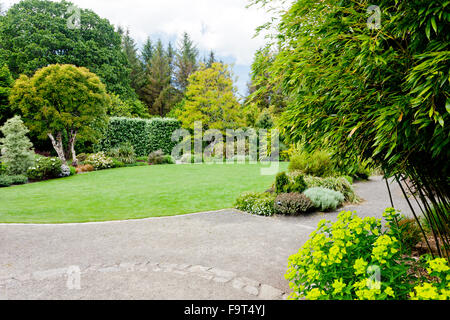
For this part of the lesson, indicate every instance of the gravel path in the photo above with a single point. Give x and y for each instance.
(216, 255)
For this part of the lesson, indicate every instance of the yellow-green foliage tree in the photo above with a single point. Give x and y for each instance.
(62, 100)
(210, 99)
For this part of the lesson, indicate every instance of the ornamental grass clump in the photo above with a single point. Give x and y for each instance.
(353, 258)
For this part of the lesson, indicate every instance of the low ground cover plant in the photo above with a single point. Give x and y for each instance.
(6, 181)
(325, 199)
(261, 204)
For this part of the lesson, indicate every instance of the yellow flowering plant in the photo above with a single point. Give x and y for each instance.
(353, 258)
(438, 290)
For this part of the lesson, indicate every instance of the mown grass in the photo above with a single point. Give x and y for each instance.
(132, 193)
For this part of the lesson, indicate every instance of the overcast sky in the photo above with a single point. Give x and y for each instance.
(225, 26)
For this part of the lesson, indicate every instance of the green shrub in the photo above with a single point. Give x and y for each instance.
(292, 204)
(124, 153)
(73, 170)
(5, 181)
(45, 168)
(99, 161)
(350, 259)
(82, 157)
(281, 183)
(15, 147)
(349, 179)
(297, 184)
(362, 172)
(158, 157)
(261, 204)
(340, 184)
(317, 164)
(2, 168)
(117, 164)
(145, 135)
(19, 179)
(325, 199)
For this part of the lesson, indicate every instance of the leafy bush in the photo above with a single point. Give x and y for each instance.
(325, 199)
(158, 157)
(281, 183)
(117, 163)
(2, 168)
(340, 184)
(6, 181)
(298, 184)
(124, 152)
(73, 170)
(292, 204)
(99, 161)
(45, 168)
(82, 157)
(261, 204)
(15, 147)
(342, 260)
(317, 164)
(145, 135)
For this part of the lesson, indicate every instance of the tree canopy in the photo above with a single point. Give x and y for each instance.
(62, 100)
(210, 99)
(35, 34)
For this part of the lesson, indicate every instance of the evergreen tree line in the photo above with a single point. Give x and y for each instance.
(159, 74)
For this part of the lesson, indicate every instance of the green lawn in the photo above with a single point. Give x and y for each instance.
(132, 193)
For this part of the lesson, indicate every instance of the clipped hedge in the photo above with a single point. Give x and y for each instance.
(145, 135)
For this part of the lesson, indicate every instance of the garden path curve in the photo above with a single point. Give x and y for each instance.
(214, 255)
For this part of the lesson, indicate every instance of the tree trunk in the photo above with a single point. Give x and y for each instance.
(58, 146)
(72, 140)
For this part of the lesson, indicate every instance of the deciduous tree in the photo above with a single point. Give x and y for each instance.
(62, 100)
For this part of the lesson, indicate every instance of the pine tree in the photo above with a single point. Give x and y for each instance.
(157, 91)
(147, 52)
(210, 59)
(15, 147)
(137, 67)
(6, 82)
(186, 62)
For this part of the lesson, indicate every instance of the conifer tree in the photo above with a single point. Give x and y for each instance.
(156, 92)
(15, 147)
(186, 62)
